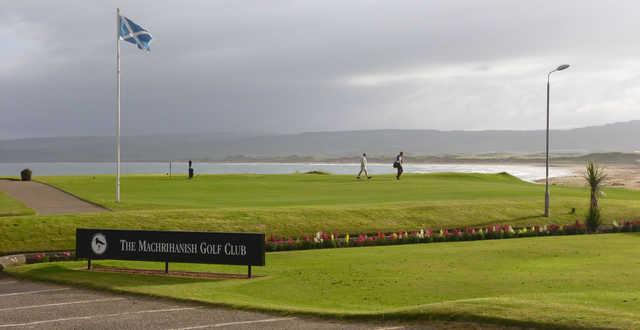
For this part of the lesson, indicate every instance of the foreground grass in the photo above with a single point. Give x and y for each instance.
(294, 205)
(567, 281)
(12, 207)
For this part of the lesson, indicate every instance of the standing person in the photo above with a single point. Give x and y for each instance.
(190, 170)
(363, 166)
(398, 164)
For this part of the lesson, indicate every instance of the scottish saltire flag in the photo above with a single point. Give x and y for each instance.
(134, 33)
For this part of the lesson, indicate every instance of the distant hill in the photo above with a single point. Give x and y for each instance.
(618, 137)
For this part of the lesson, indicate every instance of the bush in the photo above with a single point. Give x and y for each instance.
(25, 174)
(593, 220)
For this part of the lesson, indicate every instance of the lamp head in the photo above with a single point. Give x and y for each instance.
(562, 67)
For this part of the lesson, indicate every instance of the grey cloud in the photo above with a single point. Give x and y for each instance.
(290, 66)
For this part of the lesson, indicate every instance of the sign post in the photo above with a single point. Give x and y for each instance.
(171, 246)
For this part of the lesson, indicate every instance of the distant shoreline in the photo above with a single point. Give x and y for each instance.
(527, 172)
(486, 159)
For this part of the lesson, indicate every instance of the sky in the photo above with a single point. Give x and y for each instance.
(294, 66)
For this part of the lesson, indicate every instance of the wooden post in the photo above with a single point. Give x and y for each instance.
(166, 267)
(89, 264)
(249, 272)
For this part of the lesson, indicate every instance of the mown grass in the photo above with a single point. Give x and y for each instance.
(585, 281)
(12, 207)
(293, 205)
(242, 190)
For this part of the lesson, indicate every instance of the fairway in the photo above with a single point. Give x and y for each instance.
(567, 279)
(302, 204)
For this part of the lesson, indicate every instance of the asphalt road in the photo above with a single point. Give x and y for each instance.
(35, 305)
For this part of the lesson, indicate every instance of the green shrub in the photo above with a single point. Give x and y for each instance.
(593, 220)
(25, 174)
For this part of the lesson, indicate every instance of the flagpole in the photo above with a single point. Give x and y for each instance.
(118, 105)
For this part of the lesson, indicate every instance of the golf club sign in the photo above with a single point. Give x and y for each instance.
(171, 246)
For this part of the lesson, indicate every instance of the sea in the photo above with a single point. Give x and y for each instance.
(525, 172)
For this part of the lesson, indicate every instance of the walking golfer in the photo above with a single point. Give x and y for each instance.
(363, 166)
(398, 164)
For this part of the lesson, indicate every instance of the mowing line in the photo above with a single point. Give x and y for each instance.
(218, 325)
(76, 318)
(60, 304)
(31, 292)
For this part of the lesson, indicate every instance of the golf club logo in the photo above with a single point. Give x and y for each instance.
(98, 244)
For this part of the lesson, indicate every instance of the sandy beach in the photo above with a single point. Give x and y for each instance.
(618, 175)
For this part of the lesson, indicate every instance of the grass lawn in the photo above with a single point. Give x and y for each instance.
(12, 207)
(144, 192)
(571, 281)
(301, 204)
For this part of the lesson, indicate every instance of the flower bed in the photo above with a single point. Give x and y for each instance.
(323, 240)
(334, 240)
(49, 256)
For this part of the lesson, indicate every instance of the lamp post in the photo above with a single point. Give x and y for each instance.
(546, 186)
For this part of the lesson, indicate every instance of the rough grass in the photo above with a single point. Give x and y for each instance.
(585, 281)
(12, 207)
(303, 204)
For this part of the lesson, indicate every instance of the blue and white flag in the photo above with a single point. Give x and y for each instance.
(134, 33)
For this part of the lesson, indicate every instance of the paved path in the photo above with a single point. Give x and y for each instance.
(45, 199)
(35, 305)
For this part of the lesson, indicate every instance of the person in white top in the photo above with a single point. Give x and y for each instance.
(363, 166)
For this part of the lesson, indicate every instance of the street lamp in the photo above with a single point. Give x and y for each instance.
(546, 187)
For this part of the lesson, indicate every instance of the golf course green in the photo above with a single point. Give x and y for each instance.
(585, 281)
(302, 204)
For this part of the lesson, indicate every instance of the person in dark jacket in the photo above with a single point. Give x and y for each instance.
(398, 164)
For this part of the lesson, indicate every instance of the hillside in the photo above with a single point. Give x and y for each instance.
(618, 137)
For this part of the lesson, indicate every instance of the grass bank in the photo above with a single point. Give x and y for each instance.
(12, 207)
(564, 281)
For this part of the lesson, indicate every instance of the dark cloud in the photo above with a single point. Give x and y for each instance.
(289, 66)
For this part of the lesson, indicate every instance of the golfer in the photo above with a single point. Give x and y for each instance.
(363, 166)
(398, 164)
